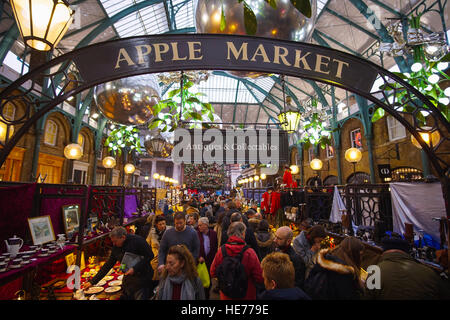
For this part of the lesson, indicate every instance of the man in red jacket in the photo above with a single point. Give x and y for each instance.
(252, 266)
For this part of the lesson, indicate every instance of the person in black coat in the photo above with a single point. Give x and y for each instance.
(137, 281)
(279, 279)
(336, 275)
(250, 238)
(283, 240)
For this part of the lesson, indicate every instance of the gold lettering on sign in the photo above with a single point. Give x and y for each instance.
(159, 49)
(299, 58)
(236, 53)
(340, 67)
(260, 51)
(277, 55)
(193, 50)
(176, 56)
(141, 54)
(320, 63)
(123, 56)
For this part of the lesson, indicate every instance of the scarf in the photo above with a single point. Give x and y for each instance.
(187, 289)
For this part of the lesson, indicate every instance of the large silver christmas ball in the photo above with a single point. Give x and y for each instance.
(285, 22)
(128, 101)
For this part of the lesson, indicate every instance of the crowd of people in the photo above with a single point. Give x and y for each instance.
(251, 262)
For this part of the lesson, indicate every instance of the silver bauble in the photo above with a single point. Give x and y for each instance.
(128, 101)
(285, 22)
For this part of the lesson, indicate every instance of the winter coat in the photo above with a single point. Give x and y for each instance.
(153, 240)
(299, 266)
(212, 247)
(303, 248)
(264, 239)
(332, 279)
(402, 277)
(249, 260)
(250, 238)
(294, 293)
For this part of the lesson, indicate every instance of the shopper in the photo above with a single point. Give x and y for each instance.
(250, 238)
(336, 275)
(137, 281)
(250, 261)
(307, 244)
(279, 278)
(180, 234)
(154, 239)
(208, 245)
(180, 280)
(282, 241)
(403, 278)
(265, 239)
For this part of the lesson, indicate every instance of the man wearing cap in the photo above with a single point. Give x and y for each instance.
(404, 278)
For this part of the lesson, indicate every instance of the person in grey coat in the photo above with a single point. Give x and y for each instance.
(307, 244)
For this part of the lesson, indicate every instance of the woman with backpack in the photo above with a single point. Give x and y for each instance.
(180, 280)
(237, 267)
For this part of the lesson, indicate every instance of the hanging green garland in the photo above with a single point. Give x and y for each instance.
(124, 138)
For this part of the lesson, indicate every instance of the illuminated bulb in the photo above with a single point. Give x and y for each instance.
(256, 178)
(263, 176)
(433, 79)
(156, 176)
(316, 164)
(416, 67)
(353, 155)
(442, 66)
(447, 92)
(73, 151)
(294, 169)
(162, 178)
(129, 168)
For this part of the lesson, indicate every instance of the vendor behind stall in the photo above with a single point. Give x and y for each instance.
(137, 280)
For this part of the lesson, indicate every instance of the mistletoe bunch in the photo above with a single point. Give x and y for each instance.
(124, 138)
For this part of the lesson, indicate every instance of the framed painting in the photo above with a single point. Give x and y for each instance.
(41, 230)
(71, 218)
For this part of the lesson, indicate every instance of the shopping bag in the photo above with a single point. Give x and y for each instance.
(203, 274)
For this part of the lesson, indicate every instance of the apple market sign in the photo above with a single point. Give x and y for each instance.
(152, 54)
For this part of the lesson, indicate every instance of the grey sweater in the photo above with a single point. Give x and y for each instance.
(173, 237)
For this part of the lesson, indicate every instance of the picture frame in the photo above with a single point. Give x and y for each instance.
(71, 259)
(41, 230)
(71, 218)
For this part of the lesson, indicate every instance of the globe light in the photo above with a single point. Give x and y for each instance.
(416, 67)
(166, 179)
(430, 137)
(250, 179)
(294, 169)
(353, 155)
(162, 178)
(263, 176)
(109, 162)
(156, 176)
(129, 168)
(433, 79)
(316, 164)
(256, 178)
(73, 151)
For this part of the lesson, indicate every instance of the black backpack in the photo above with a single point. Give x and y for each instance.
(232, 276)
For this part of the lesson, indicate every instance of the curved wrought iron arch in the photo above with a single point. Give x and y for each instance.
(50, 100)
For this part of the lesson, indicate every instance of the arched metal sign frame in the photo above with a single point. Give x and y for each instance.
(127, 57)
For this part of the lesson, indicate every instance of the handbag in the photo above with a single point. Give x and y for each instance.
(203, 274)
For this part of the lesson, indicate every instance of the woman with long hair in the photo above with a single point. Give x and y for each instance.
(180, 280)
(336, 275)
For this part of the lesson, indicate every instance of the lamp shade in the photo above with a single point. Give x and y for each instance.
(42, 23)
(316, 164)
(289, 120)
(294, 169)
(430, 137)
(73, 151)
(353, 155)
(109, 162)
(129, 168)
(156, 176)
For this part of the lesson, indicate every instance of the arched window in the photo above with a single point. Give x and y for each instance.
(9, 112)
(358, 178)
(330, 181)
(405, 174)
(314, 182)
(51, 133)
